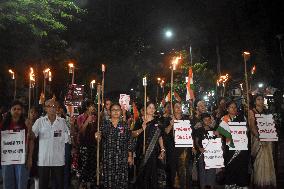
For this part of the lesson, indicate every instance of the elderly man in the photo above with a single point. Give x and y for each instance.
(51, 131)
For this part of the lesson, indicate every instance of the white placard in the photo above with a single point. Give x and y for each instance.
(183, 132)
(239, 134)
(266, 127)
(13, 150)
(124, 101)
(213, 155)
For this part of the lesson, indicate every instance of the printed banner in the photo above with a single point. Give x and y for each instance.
(75, 95)
(182, 130)
(239, 134)
(13, 147)
(213, 155)
(266, 127)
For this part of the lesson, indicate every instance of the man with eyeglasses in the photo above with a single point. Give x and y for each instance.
(51, 131)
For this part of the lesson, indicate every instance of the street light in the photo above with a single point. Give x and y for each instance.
(15, 82)
(92, 86)
(72, 71)
(260, 85)
(168, 34)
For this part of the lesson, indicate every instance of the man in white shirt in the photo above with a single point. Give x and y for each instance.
(51, 131)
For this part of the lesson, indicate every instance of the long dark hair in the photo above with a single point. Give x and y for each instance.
(8, 118)
(86, 104)
(229, 103)
(150, 102)
(255, 97)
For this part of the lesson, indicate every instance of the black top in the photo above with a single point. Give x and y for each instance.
(151, 128)
(201, 134)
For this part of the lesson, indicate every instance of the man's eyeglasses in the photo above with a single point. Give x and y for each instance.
(50, 106)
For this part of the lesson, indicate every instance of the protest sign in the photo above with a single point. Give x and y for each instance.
(213, 155)
(239, 135)
(75, 95)
(124, 101)
(266, 127)
(182, 130)
(13, 147)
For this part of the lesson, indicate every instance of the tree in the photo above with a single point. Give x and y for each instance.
(32, 35)
(39, 16)
(204, 79)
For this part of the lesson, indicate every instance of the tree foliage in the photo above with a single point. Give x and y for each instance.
(204, 78)
(39, 16)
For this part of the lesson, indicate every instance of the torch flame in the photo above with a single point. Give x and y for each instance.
(71, 65)
(12, 73)
(223, 79)
(49, 76)
(46, 70)
(32, 75)
(175, 62)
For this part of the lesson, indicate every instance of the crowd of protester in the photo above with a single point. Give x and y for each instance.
(63, 150)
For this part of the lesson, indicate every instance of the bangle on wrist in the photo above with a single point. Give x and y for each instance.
(163, 150)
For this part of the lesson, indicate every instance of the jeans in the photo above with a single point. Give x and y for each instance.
(15, 176)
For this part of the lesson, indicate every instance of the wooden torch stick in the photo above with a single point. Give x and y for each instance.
(98, 129)
(145, 112)
(246, 57)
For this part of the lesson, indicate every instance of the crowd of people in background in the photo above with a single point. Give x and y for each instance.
(62, 149)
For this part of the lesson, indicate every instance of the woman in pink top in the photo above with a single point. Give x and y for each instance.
(87, 124)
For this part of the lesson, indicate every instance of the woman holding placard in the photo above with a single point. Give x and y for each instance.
(261, 151)
(178, 158)
(236, 156)
(14, 170)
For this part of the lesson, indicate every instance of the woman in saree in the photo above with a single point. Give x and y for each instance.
(153, 151)
(262, 152)
(236, 161)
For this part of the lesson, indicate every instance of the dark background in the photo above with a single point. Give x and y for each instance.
(128, 36)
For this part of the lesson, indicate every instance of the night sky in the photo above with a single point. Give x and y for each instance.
(128, 36)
